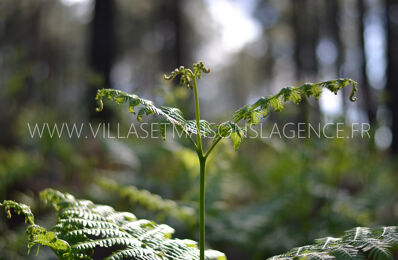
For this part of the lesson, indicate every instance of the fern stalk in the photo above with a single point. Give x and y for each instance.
(202, 208)
(202, 163)
(197, 113)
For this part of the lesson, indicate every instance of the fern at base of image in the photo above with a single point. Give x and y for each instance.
(85, 230)
(357, 243)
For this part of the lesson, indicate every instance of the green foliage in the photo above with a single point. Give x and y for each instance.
(170, 114)
(357, 243)
(187, 76)
(39, 236)
(251, 114)
(16, 165)
(18, 208)
(260, 109)
(150, 201)
(85, 230)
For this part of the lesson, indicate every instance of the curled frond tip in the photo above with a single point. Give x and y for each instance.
(99, 97)
(353, 91)
(188, 75)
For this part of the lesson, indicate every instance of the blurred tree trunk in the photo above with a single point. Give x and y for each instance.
(334, 18)
(102, 46)
(368, 101)
(304, 25)
(17, 83)
(334, 12)
(306, 38)
(177, 49)
(171, 20)
(392, 69)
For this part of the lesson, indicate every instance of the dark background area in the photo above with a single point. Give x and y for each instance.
(271, 195)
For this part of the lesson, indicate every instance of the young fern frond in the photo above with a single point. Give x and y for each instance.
(250, 114)
(170, 114)
(19, 208)
(146, 107)
(84, 228)
(261, 108)
(37, 235)
(253, 113)
(357, 244)
(187, 76)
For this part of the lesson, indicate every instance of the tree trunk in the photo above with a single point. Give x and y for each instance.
(334, 18)
(306, 37)
(392, 68)
(368, 100)
(101, 52)
(173, 51)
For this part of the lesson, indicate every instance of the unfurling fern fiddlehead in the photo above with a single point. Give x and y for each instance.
(250, 114)
(83, 229)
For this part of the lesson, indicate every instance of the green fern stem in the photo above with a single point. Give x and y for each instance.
(202, 161)
(197, 113)
(202, 207)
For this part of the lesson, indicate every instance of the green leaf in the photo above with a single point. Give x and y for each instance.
(276, 103)
(141, 112)
(162, 129)
(317, 91)
(357, 244)
(170, 114)
(83, 228)
(295, 94)
(255, 117)
(19, 208)
(40, 236)
(205, 128)
(236, 139)
(224, 129)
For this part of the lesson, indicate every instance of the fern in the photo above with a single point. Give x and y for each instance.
(19, 209)
(170, 114)
(253, 113)
(357, 243)
(83, 229)
(42, 237)
(250, 114)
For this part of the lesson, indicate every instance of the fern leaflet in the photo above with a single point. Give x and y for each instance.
(357, 243)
